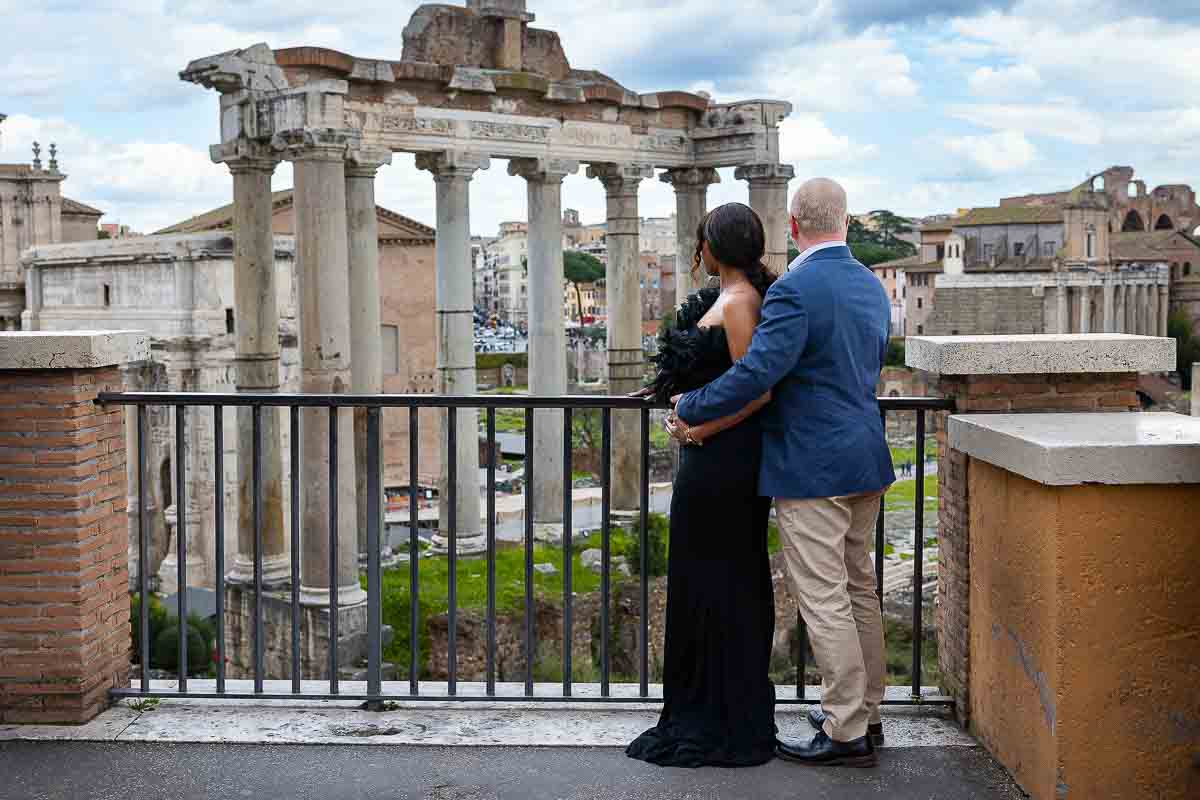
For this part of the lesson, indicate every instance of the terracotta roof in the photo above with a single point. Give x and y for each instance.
(70, 206)
(1009, 215)
(222, 219)
(1149, 245)
(929, 266)
(898, 263)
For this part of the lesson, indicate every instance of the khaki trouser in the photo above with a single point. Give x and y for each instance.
(825, 545)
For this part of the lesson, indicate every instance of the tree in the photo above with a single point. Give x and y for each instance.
(889, 225)
(580, 268)
(858, 233)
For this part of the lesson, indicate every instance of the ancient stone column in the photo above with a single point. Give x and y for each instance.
(452, 173)
(256, 328)
(1085, 306)
(1110, 320)
(1151, 309)
(323, 291)
(626, 358)
(1063, 304)
(547, 336)
(366, 357)
(769, 198)
(1140, 313)
(691, 197)
(1164, 308)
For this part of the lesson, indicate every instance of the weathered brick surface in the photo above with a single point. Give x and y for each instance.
(64, 607)
(1007, 394)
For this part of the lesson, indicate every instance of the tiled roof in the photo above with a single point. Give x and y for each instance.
(1149, 245)
(70, 206)
(222, 219)
(1009, 215)
(898, 263)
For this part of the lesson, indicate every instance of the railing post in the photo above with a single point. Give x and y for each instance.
(65, 649)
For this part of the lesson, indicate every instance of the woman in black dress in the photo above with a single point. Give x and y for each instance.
(719, 705)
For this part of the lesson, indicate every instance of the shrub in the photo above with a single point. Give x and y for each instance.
(895, 353)
(159, 620)
(166, 648)
(658, 537)
(498, 360)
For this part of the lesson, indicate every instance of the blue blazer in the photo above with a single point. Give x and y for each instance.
(820, 345)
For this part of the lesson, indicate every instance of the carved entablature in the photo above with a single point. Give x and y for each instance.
(510, 93)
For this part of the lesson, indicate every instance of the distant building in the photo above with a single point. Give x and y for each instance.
(33, 212)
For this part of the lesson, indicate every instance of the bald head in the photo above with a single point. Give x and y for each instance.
(819, 210)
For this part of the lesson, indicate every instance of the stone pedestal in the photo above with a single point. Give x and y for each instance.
(452, 173)
(626, 358)
(769, 199)
(323, 289)
(1012, 374)
(547, 336)
(691, 199)
(366, 345)
(1084, 598)
(257, 357)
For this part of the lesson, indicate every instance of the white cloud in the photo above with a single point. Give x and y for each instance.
(1065, 121)
(1017, 80)
(146, 184)
(992, 154)
(805, 137)
(847, 75)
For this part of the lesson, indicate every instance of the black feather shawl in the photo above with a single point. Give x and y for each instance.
(690, 356)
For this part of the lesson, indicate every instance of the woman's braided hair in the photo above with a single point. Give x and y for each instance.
(736, 237)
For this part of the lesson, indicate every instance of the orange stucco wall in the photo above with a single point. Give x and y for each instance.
(1085, 635)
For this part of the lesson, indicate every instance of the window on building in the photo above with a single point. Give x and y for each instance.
(920, 302)
(1018, 248)
(107, 295)
(390, 350)
(229, 322)
(1091, 242)
(1187, 268)
(920, 329)
(941, 252)
(988, 250)
(893, 294)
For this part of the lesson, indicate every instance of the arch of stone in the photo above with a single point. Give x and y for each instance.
(473, 83)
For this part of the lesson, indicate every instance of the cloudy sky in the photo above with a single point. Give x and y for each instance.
(921, 106)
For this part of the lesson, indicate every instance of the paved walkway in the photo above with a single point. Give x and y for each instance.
(100, 771)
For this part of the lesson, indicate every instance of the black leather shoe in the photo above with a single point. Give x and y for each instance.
(825, 752)
(816, 718)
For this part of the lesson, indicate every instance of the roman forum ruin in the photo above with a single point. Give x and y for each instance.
(473, 83)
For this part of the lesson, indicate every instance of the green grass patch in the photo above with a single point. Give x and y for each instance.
(902, 455)
(902, 495)
(498, 360)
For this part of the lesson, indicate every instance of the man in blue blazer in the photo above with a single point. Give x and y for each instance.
(819, 348)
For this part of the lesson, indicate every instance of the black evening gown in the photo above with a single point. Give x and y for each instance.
(719, 705)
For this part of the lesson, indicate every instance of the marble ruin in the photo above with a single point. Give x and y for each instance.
(473, 83)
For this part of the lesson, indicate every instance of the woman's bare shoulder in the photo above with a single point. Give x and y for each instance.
(743, 306)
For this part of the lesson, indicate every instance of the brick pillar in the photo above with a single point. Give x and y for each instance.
(1078, 374)
(64, 601)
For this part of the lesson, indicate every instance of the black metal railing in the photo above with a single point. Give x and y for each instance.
(374, 406)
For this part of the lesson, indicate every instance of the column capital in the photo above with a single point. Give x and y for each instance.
(765, 173)
(315, 144)
(620, 177)
(243, 155)
(453, 164)
(543, 170)
(364, 162)
(690, 178)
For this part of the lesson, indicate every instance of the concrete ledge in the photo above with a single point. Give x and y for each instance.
(72, 350)
(1073, 449)
(1040, 354)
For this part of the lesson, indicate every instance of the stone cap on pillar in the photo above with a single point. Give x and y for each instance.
(1040, 354)
(1093, 448)
(42, 350)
